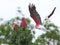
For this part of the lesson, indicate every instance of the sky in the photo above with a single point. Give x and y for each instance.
(8, 9)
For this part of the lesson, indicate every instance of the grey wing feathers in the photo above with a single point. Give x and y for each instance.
(52, 13)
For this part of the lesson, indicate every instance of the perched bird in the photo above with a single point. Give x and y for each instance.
(15, 26)
(23, 22)
(34, 14)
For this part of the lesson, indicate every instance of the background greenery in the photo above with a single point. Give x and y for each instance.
(24, 36)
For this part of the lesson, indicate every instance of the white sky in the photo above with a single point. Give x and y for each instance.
(8, 9)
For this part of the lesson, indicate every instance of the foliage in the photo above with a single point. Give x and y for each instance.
(51, 35)
(20, 36)
(24, 36)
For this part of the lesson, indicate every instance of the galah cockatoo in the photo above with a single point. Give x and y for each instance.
(23, 22)
(34, 14)
(15, 26)
(36, 17)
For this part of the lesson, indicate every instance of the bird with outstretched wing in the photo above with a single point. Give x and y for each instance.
(35, 16)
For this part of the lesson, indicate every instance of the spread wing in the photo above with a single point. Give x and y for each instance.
(34, 14)
(51, 12)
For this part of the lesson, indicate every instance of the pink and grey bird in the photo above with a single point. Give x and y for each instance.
(23, 22)
(15, 26)
(34, 14)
